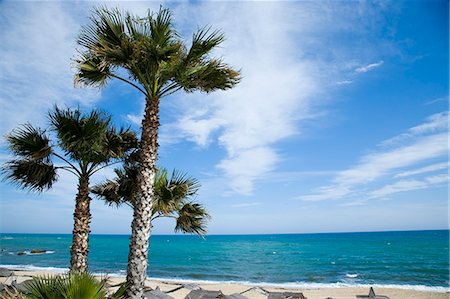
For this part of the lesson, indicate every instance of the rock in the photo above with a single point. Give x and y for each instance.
(156, 294)
(20, 286)
(191, 286)
(21, 253)
(6, 272)
(37, 251)
(204, 294)
(235, 296)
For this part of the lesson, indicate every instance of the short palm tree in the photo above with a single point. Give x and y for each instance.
(75, 285)
(172, 197)
(148, 54)
(83, 144)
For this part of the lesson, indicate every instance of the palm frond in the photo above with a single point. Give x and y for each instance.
(118, 144)
(203, 42)
(108, 191)
(121, 189)
(72, 285)
(192, 218)
(45, 287)
(84, 285)
(91, 71)
(80, 136)
(161, 28)
(30, 174)
(207, 77)
(29, 142)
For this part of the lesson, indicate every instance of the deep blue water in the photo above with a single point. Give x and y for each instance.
(419, 258)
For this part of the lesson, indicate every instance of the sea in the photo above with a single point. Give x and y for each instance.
(404, 259)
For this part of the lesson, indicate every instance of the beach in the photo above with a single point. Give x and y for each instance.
(253, 291)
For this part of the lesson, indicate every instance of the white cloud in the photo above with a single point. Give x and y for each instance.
(429, 168)
(344, 82)
(245, 205)
(410, 185)
(416, 148)
(435, 123)
(437, 100)
(248, 165)
(283, 80)
(369, 67)
(38, 43)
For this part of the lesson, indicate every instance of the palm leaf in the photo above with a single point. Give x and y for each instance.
(84, 285)
(192, 218)
(203, 42)
(91, 71)
(82, 137)
(29, 142)
(45, 287)
(30, 174)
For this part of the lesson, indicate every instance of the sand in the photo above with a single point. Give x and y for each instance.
(256, 291)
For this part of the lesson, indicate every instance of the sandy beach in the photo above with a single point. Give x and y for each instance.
(179, 289)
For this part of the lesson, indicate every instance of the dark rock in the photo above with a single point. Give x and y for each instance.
(21, 253)
(37, 251)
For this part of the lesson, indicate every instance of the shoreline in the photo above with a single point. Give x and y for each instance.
(256, 290)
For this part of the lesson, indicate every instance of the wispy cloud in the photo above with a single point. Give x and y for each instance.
(435, 123)
(245, 205)
(418, 146)
(426, 169)
(369, 67)
(344, 82)
(410, 185)
(438, 100)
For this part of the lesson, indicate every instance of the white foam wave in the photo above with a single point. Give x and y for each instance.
(286, 285)
(351, 275)
(34, 268)
(6, 238)
(309, 285)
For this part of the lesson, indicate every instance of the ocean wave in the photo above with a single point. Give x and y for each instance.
(34, 268)
(6, 238)
(351, 275)
(285, 285)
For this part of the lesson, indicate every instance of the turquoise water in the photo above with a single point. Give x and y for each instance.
(411, 259)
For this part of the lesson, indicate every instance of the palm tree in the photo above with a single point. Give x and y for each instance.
(148, 54)
(84, 144)
(171, 197)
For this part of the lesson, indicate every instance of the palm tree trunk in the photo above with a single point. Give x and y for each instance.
(80, 237)
(141, 225)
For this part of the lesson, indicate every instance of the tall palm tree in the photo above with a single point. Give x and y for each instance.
(83, 145)
(148, 54)
(172, 197)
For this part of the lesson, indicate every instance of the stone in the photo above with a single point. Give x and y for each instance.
(6, 272)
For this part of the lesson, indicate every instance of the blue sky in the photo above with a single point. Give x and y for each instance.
(340, 122)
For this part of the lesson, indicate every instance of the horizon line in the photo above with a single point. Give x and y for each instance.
(245, 234)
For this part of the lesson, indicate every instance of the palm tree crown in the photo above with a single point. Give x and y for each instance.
(85, 143)
(172, 197)
(150, 50)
